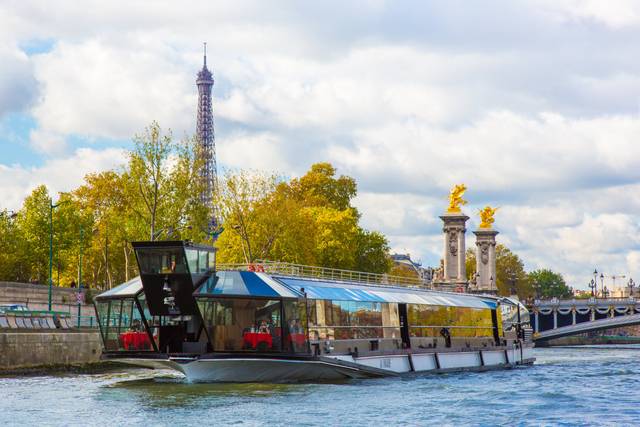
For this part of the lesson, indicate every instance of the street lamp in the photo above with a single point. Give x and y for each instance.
(593, 286)
(631, 286)
(605, 292)
(602, 281)
(51, 208)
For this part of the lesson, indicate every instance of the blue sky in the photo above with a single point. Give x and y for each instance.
(533, 105)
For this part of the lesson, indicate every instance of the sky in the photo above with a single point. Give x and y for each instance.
(535, 106)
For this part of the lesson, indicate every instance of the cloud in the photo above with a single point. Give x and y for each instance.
(18, 87)
(534, 105)
(59, 174)
(99, 90)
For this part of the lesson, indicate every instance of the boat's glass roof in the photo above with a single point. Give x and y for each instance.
(126, 289)
(317, 289)
(244, 283)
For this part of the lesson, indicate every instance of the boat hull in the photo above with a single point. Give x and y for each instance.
(334, 368)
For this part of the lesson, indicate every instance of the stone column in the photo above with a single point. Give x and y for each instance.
(455, 272)
(555, 319)
(537, 321)
(573, 316)
(486, 260)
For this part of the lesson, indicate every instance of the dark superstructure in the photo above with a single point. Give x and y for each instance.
(205, 136)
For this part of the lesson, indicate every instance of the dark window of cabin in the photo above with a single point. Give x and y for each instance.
(161, 260)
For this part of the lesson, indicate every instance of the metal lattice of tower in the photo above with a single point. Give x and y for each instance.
(205, 136)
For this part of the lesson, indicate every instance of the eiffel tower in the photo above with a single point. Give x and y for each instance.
(205, 136)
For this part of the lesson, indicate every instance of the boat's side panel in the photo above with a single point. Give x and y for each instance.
(336, 367)
(398, 364)
(494, 357)
(424, 362)
(265, 370)
(460, 360)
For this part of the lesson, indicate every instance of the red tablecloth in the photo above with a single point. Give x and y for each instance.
(251, 339)
(135, 341)
(298, 339)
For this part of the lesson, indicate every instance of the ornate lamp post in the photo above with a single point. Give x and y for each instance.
(605, 292)
(631, 284)
(593, 286)
(602, 282)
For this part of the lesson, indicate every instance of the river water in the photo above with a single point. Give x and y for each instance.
(567, 386)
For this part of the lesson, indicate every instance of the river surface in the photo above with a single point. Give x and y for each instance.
(567, 386)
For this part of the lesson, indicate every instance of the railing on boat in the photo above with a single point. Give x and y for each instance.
(335, 274)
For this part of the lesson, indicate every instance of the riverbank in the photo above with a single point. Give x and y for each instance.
(583, 340)
(43, 349)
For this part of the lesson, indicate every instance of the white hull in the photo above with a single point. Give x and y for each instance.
(331, 368)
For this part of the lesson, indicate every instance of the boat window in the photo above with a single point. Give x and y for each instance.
(122, 326)
(243, 324)
(429, 320)
(192, 260)
(103, 314)
(161, 260)
(338, 320)
(199, 261)
(295, 332)
(203, 261)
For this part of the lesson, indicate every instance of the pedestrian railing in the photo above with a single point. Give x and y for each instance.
(333, 274)
(44, 320)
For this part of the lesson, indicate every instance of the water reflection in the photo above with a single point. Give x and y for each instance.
(175, 391)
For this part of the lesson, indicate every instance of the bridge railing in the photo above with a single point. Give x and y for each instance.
(554, 302)
(335, 274)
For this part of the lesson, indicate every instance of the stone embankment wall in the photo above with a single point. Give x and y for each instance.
(32, 349)
(22, 348)
(36, 297)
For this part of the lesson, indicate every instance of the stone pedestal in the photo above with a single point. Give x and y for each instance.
(485, 260)
(455, 272)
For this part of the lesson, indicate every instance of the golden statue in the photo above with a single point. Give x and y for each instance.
(486, 216)
(455, 198)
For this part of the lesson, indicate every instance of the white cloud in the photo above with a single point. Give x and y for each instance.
(17, 85)
(613, 13)
(59, 175)
(533, 105)
(103, 91)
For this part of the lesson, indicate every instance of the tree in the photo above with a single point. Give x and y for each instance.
(549, 284)
(308, 220)
(510, 273)
(149, 174)
(320, 187)
(11, 248)
(33, 224)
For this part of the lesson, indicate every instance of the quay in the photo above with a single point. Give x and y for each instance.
(33, 337)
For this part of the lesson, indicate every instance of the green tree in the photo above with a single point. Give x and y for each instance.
(549, 284)
(510, 273)
(320, 187)
(308, 220)
(33, 224)
(11, 248)
(150, 178)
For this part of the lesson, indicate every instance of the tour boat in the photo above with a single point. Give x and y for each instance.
(276, 322)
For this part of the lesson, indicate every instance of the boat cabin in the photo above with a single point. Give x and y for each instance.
(180, 304)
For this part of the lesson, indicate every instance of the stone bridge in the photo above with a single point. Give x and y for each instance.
(557, 318)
